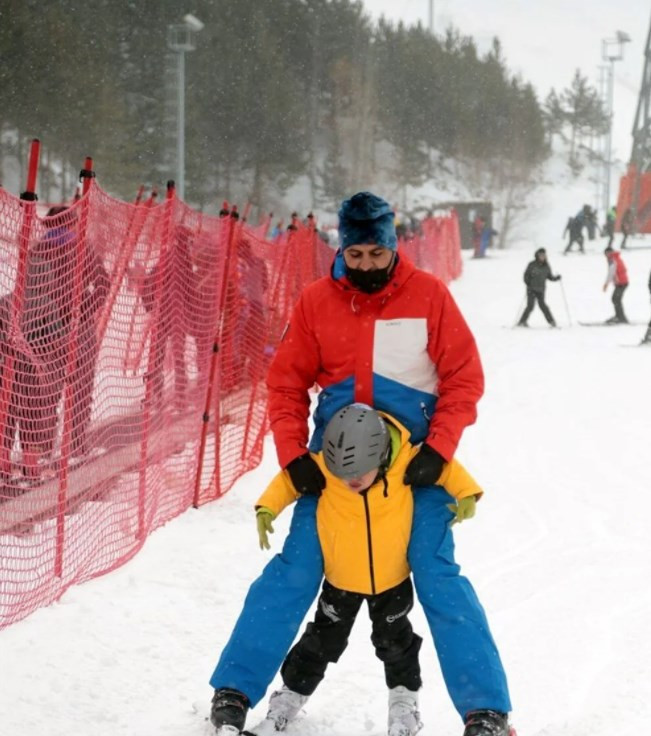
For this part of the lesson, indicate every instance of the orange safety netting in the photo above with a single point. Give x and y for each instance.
(635, 193)
(134, 343)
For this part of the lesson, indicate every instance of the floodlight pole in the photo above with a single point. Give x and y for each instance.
(180, 38)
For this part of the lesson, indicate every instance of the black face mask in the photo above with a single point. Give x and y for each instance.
(370, 281)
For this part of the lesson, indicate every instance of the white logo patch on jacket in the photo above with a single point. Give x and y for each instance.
(400, 353)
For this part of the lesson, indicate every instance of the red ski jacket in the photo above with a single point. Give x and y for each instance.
(616, 269)
(405, 350)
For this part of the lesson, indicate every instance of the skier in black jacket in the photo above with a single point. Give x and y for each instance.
(535, 277)
(646, 340)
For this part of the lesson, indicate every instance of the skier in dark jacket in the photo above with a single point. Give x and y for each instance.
(536, 275)
(575, 227)
(646, 340)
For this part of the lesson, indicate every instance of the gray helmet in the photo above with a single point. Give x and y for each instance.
(355, 441)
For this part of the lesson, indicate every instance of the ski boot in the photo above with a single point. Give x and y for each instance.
(487, 723)
(284, 706)
(404, 718)
(228, 711)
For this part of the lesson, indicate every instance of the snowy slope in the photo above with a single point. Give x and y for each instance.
(559, 550)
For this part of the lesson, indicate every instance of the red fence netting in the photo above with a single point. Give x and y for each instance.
(134, 343)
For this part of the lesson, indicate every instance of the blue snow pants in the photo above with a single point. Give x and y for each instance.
(274, 609)
(469, 660)
(279, 599)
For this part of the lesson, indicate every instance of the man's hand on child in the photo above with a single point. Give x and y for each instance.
(263, 518)
(306, 475)
(463, 509)
(425, 467)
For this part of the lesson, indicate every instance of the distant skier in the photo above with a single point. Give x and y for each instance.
(646, 340)
(575, 227)
(486, 239)
(617, 276)
(536, 275)
(609, 225)
(628, 221)
(591, 221)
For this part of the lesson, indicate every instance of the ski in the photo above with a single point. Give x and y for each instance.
(612, 324)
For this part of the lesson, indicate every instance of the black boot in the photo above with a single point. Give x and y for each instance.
(486, 723)
(229, 708)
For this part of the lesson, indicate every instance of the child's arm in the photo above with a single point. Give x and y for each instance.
(278, 494)
(458, 482)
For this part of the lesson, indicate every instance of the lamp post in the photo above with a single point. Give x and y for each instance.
(180, 39)
(612, 50)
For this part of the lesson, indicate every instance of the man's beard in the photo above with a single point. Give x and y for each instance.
(372, 280)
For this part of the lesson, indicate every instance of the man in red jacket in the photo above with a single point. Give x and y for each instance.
(378, 331)
(617, 276)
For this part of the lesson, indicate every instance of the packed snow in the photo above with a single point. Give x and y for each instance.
(559, 551)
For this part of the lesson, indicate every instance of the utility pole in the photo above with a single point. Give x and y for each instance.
(431, 16)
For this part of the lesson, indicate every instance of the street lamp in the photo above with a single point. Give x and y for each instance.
(612, 50)
(180, 38)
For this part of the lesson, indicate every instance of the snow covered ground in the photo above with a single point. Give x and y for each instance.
(559, 550)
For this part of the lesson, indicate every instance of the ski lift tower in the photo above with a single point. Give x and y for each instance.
(641, 153)
(612, 50)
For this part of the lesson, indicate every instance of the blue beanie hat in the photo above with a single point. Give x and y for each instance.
(366, 218)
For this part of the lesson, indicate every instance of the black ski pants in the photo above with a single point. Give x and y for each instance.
(325, 639)
(532, 297)
(575, 238)
(618, 295)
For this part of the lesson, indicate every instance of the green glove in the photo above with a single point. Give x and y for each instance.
(463, 509)
(263, 518)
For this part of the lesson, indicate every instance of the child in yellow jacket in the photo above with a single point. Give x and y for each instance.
(364, 520)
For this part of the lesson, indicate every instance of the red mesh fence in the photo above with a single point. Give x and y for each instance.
(437, 247)
(134, 343)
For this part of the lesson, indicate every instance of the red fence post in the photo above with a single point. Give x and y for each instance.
(18, 296)
(214, 375)
(149, 387)
(86, 175)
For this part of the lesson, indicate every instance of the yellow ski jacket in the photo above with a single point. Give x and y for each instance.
(364, 536)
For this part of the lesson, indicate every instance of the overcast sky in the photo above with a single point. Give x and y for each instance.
(546, 40)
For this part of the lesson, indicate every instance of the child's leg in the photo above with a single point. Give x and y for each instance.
(274, 609)
(394, 640)
(324, 640)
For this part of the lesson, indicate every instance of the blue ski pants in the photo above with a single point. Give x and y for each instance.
(279, 599)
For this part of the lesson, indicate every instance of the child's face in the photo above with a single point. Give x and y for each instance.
(357, 485)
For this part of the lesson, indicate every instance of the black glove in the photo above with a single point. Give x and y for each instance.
(425, 467)
(557, 277)
(306, 475)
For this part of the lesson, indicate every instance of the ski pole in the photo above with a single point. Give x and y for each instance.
(518, 315)
(567, 308)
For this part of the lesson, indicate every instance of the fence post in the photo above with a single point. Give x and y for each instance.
(28, 198)
(86, 175)
(214, 373)
(149, 383)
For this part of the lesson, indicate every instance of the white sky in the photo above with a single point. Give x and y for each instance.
(546, 40)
